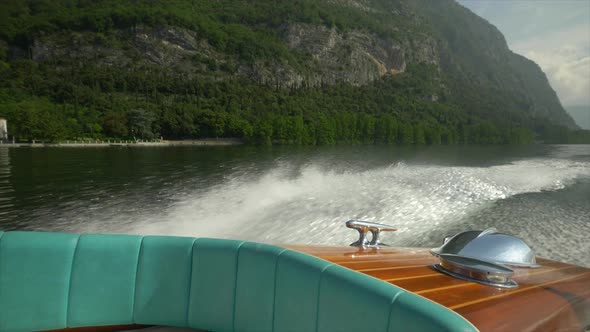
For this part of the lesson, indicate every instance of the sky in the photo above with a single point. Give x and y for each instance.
(553, 33)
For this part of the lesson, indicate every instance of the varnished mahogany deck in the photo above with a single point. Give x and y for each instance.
(554, 297)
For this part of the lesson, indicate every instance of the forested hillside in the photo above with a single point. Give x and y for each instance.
(288, 72)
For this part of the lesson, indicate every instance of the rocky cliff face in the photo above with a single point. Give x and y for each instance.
(352, 57)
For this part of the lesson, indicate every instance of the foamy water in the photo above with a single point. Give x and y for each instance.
(309, 203)
(421, 201)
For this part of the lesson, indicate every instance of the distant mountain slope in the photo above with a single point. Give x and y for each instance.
(581, 114)
(301, 71)
(476, 54)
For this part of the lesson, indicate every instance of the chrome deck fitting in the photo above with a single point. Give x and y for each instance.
(363, 227)
(485, 257)
(489, 245)
(476, 270)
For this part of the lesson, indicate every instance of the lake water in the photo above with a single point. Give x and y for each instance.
(303, 194)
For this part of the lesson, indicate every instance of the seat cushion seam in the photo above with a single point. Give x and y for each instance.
(135, 282)
(317, 317)
(190, 282)
(274, 296)
(391, 308)
(70, 281)
(233, 324)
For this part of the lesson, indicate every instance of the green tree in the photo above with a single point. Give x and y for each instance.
(140, 123)
(406, 134)
(115, 125)
(419, 137)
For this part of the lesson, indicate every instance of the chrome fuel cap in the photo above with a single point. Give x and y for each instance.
(489, 246)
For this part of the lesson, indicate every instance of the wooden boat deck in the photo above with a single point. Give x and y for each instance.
(554, 297)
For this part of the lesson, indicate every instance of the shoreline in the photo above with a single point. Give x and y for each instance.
(163, 143)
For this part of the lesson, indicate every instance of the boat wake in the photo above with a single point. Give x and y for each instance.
(301, 200)
(309, 207)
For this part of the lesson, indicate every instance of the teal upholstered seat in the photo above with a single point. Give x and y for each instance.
(297, 292)
(102, 282)
(213, 287)
(56, 280)
(164, 277)
(35, 274)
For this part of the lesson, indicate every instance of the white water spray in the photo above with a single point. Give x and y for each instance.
(311, 208)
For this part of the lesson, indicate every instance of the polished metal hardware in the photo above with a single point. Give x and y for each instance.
(484, 257)
(490, 246)
(363, 227)
(472, 269)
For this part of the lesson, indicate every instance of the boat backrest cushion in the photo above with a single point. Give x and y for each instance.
(213, 287)
(102, 288)
(418, 316)
(35, 274)
(163, 284)
(372, 301)
(56, 280)
(296, 298)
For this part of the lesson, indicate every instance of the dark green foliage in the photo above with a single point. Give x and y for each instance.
(258, 114)
(141, 123)
(68, 98)
(115, 125)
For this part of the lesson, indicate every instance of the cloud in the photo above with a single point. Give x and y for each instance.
(564, 55)
(569, 76)
(554, 34)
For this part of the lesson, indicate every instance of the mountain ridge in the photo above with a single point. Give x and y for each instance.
(436, 72)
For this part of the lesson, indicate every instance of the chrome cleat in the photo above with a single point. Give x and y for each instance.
(363, 227)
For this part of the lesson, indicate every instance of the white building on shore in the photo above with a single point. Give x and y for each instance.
(3, 129)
